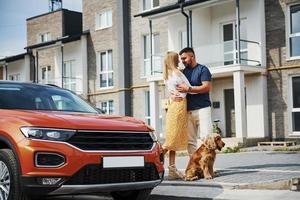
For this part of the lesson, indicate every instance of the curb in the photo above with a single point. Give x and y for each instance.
(267, 185)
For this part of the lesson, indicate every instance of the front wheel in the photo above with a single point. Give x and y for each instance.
(132, 195)
(10, 187)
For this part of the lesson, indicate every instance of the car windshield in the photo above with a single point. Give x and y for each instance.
(37, 97)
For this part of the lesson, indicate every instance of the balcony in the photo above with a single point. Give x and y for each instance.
(222, 58)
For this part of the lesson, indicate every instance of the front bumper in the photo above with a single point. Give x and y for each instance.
(83, 171)
(32, 187)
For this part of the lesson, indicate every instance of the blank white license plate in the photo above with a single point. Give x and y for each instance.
(123, 161)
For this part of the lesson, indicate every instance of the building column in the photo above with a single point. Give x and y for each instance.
(239, 104)
(123, 60)
(154, 102)
(84, 66)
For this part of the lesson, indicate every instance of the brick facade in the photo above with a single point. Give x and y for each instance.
(50, 22)
(280, 68)
(99, 41)
(139, 28)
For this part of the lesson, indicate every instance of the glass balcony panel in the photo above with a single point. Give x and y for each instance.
(220, 54)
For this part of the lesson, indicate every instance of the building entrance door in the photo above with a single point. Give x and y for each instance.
(229, 113)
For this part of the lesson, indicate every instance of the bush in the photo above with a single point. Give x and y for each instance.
(231, 150)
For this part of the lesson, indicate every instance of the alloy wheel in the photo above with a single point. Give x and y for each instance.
(4, 181)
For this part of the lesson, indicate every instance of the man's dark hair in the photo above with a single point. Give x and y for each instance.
(187, 50)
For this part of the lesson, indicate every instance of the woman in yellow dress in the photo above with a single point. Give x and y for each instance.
(176, 133)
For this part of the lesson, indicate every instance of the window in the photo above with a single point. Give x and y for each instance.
(296, 104)
(156, 57)
(147, 108)
(182, 39)
(106, 69)
(148, 111)
(44, 37)
(46, 75)
(149, 4)
(294, 31)
(104, 20)
(14, 77)
(107, 107)
(229, 49)
(69, 75)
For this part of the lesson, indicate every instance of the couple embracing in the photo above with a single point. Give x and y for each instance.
(189, 113)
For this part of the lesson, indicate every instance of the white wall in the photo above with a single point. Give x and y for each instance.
(72, 51)
(255, 100)
(18, 67)
(207, 28)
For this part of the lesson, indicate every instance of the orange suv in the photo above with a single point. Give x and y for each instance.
(54, 143)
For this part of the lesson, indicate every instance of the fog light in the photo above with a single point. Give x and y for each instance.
(50, 181)
(43, 159)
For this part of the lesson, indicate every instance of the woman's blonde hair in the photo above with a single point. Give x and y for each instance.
(170, 64)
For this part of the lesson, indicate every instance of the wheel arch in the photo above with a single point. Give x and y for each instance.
(5, 143)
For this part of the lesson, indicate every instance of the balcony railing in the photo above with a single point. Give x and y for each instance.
(157, 66)
(222, 54)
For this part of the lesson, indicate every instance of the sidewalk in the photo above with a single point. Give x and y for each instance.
(249, 170)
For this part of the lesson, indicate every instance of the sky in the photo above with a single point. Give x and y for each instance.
(13, 15)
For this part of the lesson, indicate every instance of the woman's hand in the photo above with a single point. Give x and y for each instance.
(182, 88)
(175, 96)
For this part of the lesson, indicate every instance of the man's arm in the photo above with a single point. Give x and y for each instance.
(204, 88)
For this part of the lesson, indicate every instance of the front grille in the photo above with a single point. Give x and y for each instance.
(111, 141)
(96, 174)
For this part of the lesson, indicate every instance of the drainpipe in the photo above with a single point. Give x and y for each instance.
(6, 73)
(62, 65)
(191, 29)
(238, 31)
(150, 38)
(187, 25)
(35, 69)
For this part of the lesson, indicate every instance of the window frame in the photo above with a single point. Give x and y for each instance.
(107, 111)
(155, 55)
(72, 78)
(291, 108)
(48, 74)
(108, 22)
(143, 8)
(46, 35)
(234, 51)
(288, 32)
(106, 72)
(16, 77)
(147, 118)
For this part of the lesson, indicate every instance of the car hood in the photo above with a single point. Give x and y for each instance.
(71, 120)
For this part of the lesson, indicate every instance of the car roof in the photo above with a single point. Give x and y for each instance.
(26, 84)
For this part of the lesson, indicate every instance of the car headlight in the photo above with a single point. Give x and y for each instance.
(47, 133)
(153, 136)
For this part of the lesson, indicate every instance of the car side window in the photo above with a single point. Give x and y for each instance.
(63, 103)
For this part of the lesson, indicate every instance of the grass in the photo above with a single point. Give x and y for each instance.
(287, 149)
(231, 150)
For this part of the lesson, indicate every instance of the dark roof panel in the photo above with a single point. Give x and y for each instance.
(168, 8)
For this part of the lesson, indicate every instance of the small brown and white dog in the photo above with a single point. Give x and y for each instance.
(202, 160)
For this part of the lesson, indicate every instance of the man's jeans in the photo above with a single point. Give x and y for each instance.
(199, 125)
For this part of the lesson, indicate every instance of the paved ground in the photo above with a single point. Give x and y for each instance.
(243, 176)
(249, 170)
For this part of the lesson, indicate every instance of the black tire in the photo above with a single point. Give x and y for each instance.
(132, 195)
(8, 160)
